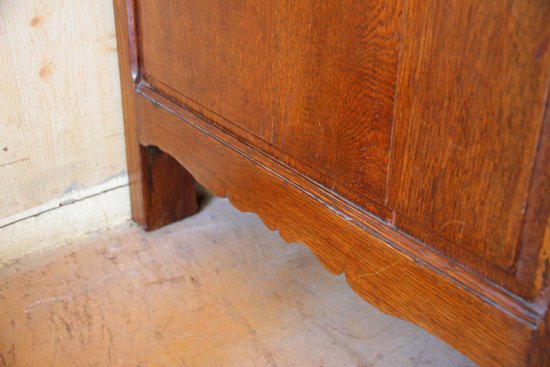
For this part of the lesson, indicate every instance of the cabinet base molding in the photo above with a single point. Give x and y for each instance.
(383, 266)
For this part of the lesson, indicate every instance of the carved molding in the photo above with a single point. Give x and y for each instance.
(416, 286)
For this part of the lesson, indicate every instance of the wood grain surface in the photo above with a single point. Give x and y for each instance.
(466, 150)
(168, 189)
(428, 116)
(489, 326)
(311, 82)
(215, 290)
(60, 113)
(472, 94)
(161, 190)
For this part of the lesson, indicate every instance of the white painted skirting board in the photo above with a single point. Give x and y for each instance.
(114, 183)
(57, 223)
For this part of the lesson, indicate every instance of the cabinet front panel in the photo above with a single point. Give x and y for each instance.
(472, 90)
(425, 113)
(310, 82)
(214, 54)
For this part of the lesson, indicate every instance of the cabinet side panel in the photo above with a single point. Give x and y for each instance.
(470, 102)
(309, 82)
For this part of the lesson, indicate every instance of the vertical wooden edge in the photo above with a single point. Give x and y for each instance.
(534, 243)
(161, 190)
(126, 65)
(541, 343)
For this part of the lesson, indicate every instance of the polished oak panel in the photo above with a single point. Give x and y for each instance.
(472, 89)
(312, 83)
(224, 52)
(336, 73)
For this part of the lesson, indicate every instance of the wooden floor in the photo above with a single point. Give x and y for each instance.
(217, 289)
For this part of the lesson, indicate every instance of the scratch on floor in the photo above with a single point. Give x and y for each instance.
(46, 301)
(14, 162)
(166, 280)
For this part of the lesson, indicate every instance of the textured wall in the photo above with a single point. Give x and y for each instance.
(60, 112)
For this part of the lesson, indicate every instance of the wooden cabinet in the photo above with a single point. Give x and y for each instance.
(407, 143)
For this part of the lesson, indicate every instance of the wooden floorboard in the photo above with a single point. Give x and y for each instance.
(217, 289)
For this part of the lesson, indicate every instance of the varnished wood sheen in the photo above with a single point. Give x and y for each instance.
(168, 189)
(472, 90)
(311, 82)
(406, 143)
(487, 327)
(161, 191)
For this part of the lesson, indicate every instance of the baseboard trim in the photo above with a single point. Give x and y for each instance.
(66, 220)
(74, 196)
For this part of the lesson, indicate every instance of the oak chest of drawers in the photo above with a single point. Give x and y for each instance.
(407, 143)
